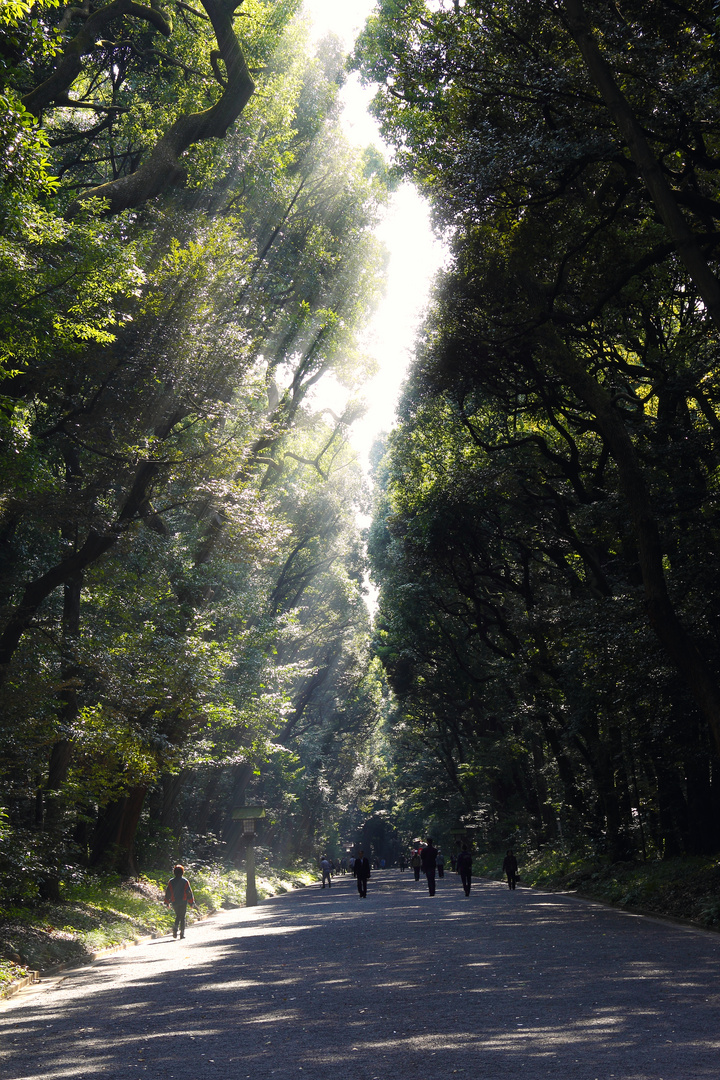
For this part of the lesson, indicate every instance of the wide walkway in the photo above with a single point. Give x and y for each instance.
(400, 986)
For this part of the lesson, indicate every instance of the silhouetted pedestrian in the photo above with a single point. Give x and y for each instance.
(362, 873)
(464, 868)
(326, 867)
(510, 867)
(416, 863)
(428, 857)
(179, 894)
(440, 863)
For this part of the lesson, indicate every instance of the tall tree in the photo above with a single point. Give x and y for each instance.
(562, 326)
(156, 360)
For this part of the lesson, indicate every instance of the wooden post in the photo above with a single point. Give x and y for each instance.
(249, 815)
(250, 887)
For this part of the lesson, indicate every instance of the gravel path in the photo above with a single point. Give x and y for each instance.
(400, 986)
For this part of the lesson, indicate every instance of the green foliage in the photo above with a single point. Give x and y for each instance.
(180, 567)
(681, 888)
(538, 499)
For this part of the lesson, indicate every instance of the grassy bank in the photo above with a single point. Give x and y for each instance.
(104, 913)
(687, 888)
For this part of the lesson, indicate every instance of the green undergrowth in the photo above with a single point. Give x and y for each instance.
(99, 913)
(10, 974)
(685, 888)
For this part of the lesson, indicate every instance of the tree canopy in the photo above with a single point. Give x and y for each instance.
(187, 249)
(545, 541)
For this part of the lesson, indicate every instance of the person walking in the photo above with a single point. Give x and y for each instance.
(416, 863)
(179, 894)
(362, 873)
(326, 868)
(464, 868)
(510, 867)
(440, 863)
(428, 858)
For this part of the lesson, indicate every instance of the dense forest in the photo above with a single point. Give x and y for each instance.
(187, 249)
(546, 536)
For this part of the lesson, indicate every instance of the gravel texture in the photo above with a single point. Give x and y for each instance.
(399, 986)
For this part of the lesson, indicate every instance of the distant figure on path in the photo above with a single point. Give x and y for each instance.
(464, 868)
(326, 868)
(179, 894)
(362, 873)
(416, 863)
(510, 867)
(402, 862)
(428, 858)
(440, 863)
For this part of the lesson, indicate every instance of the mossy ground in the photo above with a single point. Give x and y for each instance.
(103, 913)
(687, 888)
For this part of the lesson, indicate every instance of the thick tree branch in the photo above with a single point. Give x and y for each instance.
(162, 167)
(662, 195)
(85, 41)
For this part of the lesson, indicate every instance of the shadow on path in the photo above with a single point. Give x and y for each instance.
(397, 986)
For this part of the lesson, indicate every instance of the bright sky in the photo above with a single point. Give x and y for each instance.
(414, 253)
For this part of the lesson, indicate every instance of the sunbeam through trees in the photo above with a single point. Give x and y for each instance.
(188, 247)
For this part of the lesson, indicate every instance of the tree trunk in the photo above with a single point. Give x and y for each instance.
(106, 833)
(200, 819)
(171, 788)
(125, 862)
(672, 810)
(232, 831)
(114, 840)
(52, 803)
(698, 676)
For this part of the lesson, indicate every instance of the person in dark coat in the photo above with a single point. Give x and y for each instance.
(464, 868)
(510, 867)
(428, 857)
(179, 894)
(362, 873)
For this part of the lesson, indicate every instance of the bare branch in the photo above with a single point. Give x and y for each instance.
(192, 10)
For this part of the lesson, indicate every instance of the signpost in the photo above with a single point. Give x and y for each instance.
(249, 815)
